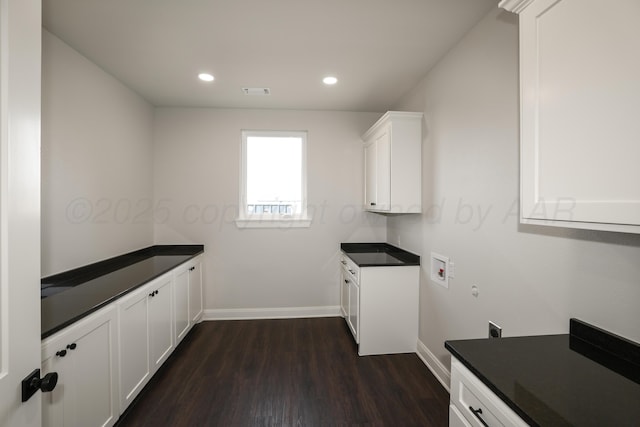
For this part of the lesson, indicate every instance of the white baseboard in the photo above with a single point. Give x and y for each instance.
(441, 373)
(270, 313)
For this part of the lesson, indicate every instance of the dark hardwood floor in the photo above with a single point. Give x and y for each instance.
(294, 372)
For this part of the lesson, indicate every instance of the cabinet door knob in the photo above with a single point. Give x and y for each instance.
(72, 346)
(346, 281)
(373, 203)
(61, 353)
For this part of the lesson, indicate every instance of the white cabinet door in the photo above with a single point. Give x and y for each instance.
(383, 169)
(135, 356)
(85, 357)
(580, 96)
(354, 309)
(160, 320)
(344, 294)
(195, 291)
(393, 164)
(370, 176)
(377, 155)
(181, 302)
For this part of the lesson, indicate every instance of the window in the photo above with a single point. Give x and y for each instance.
(273, 189)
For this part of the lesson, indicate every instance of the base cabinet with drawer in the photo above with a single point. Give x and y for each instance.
(473, 404)
(85, 356)
(380, 306)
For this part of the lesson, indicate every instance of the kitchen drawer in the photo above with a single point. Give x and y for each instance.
(477, 404)
(350, 267)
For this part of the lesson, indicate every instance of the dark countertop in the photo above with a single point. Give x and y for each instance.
(378, 255)
(74, 294)
(586, 378)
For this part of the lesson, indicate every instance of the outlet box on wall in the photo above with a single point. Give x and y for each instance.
(440, 269)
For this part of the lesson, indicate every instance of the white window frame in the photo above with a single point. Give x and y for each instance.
(264, 220)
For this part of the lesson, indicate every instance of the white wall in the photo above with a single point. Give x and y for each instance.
(531, 279)
(197, 160)
(96, 162)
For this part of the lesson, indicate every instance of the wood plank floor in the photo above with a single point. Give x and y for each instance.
(294, 372)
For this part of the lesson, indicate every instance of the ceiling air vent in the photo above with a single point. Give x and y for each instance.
(259, 91)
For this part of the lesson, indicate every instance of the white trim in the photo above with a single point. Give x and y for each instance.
(515, 6)
(438, 370)
(271, 313)
(273, 223)
(298, 219)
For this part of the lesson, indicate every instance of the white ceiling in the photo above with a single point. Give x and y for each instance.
(378, 49)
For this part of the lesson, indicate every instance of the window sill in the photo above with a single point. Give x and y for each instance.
(273, 222)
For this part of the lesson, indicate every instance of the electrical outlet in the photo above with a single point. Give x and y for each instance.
(495, 331)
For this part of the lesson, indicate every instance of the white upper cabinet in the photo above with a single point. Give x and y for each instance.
(393, 164)
(580, 113)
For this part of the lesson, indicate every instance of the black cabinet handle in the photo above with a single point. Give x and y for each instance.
(373, 203)
(346, 281)
(477, 413)
(61, 353)
(72, 346)
(157, 292)
(154, 293)
(192, 268)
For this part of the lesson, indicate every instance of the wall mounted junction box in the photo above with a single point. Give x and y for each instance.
(440, 269)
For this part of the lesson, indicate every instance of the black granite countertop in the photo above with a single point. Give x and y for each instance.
(69, 296)
(586, 378)
(378, 255)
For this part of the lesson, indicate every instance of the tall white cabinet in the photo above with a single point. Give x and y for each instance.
(393, 164)
(580, 103)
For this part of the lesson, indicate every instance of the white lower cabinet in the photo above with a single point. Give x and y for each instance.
(104, 360)
(195, 290)
(85, 356)
(160, 320)
(354, 310)
(146, 335)
(380, 306)
(181, 302)
(344, 293)
(187, 297)
(473, 404)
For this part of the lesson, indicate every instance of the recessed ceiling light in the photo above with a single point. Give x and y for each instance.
(329, 80)
(205, 77)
